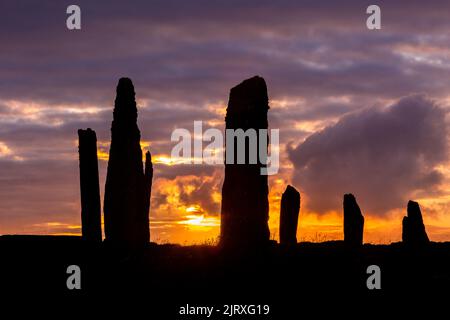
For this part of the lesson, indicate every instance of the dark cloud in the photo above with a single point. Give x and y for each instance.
(193, 52)
(383, 155)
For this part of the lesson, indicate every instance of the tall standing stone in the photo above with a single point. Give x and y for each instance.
(413, 227)
(353, 222)
(245, 205)
(127, 187)
(290, 207)
(89, 186)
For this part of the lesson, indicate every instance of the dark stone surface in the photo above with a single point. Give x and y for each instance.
(290, 207)
(89, 186)
(353, 222)
(413, 232)
(126, 191)
(148, 184)
(245, 205)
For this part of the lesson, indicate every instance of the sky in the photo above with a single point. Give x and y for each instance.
(360, 111)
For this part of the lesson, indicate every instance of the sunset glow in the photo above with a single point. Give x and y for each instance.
(357, 111)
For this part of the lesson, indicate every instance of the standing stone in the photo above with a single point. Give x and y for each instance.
(290, 207)
(245, 205)
(89, 186)
(148, 185)
(353, 222)
(413, 228)
(127, 186)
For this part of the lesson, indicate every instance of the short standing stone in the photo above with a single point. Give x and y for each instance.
(290, 207)
(413, 228)
(353, 222)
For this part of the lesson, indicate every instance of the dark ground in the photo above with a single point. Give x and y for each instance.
(312, 276)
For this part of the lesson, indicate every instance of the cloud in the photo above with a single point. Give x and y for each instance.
(384, 155)
(179, 200)
(193, 52)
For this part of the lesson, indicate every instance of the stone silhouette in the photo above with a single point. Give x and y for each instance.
(245, 205)
(148, 180)
(353, 222)
(413, 232)
(127, 189)
(290, 207)
(89, 186)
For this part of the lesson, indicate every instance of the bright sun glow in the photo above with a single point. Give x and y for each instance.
(4, 150)
(193, 209)
(163, 159)
(200, 221)
(167, 160)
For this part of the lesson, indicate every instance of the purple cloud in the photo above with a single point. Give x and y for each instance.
(383, 155)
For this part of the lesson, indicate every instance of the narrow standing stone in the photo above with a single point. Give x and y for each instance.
(290, 207)
(353, 222)
(245, 205)
(148, 189)
(89, 186)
